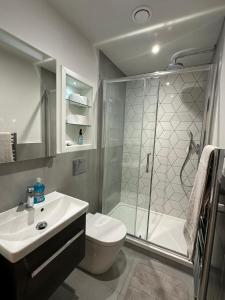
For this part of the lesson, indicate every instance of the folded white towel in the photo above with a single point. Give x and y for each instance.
(77, 119)
(6, 154)
(196, 201)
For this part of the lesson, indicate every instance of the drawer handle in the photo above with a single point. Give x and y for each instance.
(51, 258)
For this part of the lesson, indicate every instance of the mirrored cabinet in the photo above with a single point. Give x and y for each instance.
(77, 112)
(27, 101)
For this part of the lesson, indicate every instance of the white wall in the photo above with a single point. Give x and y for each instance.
(218, 126)
(38, 24)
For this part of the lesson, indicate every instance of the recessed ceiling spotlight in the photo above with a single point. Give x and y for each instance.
(155, 49)
(141, 14)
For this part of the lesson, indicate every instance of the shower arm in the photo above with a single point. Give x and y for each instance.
(189, 52)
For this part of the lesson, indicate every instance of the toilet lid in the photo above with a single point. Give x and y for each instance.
(104, 229)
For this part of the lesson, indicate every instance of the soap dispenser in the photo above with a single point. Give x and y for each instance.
(39, 191)
(80, 138)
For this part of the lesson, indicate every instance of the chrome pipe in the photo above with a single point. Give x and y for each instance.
(189, 52)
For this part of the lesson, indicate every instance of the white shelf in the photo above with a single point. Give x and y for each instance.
(76, 147)
(78, 124)
(78, 103)
(76, 115)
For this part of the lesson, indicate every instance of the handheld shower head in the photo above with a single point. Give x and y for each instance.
(193, 147)
(190, 134)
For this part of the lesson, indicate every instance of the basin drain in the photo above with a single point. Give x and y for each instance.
(41, 225)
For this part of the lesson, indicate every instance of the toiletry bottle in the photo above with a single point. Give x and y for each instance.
(80, 138)
(39, 191)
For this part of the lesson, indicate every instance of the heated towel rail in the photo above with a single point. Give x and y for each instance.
(14, 144)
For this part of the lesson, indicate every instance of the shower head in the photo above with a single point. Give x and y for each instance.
(175, 66)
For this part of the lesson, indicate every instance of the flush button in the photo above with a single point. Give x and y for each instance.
(79, 166)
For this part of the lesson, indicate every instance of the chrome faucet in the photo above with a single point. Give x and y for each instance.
(30, 197)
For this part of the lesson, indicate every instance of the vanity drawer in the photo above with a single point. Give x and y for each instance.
(49, 265)
(50, 247)
(39, 274)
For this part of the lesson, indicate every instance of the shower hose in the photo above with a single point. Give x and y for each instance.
(189, 153)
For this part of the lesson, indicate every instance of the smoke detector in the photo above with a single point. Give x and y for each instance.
(141, 14)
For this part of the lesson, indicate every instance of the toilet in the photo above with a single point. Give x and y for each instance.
(104, 238)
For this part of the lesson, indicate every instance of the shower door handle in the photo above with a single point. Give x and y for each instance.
(147, 163)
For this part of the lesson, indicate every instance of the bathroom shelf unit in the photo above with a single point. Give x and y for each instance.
(77, 111)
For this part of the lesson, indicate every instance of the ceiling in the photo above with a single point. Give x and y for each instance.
(175, 25)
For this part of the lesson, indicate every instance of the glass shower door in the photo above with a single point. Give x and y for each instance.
(147, 127)
(122, 136)
(179, 117)
(149, 120)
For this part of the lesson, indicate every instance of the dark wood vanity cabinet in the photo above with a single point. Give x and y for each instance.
(37, 276)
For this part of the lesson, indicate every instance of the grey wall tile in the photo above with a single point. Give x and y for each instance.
(57, 175)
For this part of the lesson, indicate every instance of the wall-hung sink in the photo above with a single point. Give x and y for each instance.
(22, 231)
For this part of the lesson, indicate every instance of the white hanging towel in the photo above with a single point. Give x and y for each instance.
(196, 200)
(6, 154)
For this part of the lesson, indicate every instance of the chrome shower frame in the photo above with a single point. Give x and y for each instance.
(158, 74)
(136, 241)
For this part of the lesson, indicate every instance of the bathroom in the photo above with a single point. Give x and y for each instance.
(110, 104)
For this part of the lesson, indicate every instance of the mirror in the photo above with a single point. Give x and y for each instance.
(27, 101)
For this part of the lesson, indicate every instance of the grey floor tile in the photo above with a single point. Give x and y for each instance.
(88, 287)
(134, 294)
(186, 278)
(158, 284)
(133, 276)
(116, 277)
(64, 292)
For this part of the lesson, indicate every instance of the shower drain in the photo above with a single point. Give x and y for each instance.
(41, 225)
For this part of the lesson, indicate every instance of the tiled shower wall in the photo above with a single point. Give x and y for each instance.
(181, 106)
(180, 109)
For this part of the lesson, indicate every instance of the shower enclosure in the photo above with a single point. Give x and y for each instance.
(149, 121)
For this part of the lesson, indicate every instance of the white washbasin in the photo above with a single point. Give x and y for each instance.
(18, 233)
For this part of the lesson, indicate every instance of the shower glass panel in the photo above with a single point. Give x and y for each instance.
(143, 218)
(180, 112)
(152, 129)
(123, 122)
(129, 131)
(112, 143)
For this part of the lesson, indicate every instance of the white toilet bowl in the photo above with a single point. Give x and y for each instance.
(104, 239)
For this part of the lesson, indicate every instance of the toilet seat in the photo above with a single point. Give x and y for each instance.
(104, 230)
